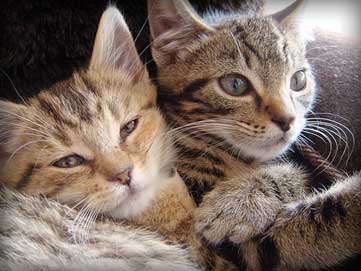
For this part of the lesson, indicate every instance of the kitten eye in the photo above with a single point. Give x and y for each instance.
(128, 128)
(298, 81)
(69, 161)
(234, 84)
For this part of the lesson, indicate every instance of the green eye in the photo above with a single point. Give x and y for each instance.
(128, 128)
(234, 84)
(298, 81)
(69, 161)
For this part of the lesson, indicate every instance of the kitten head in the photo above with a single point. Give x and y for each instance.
(244, 79)
(95, 140)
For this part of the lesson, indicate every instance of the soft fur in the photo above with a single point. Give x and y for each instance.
(35, 235)
(85, 116)
(259, 243)
(73, 142)
(223, 138)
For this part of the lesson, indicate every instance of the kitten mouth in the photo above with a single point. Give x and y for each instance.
(275, 142)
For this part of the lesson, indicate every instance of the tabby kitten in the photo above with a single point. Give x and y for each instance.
(97, 139)
(98, 143)
(238, 89)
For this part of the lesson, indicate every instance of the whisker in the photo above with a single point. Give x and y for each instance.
(13, 85)
(22, 147)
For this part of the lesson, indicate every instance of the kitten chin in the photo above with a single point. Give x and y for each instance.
(134, 203)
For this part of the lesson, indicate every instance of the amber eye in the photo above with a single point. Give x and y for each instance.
(69, 161)
(298, 81)
(128, 128)
(234, 84)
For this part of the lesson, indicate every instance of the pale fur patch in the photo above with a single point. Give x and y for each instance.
(34, 236)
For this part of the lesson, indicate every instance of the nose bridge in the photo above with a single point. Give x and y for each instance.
(281, 110)
(113, 162)
(280, 105)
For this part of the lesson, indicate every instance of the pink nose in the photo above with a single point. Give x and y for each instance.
(123, 177)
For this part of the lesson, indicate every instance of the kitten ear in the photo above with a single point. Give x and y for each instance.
(10, 115)
(290, 21)
(290, 14)
(114, 47)
(174, 24)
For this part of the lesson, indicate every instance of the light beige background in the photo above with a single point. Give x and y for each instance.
(341, 16)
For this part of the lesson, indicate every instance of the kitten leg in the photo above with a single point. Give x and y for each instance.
(242, 208)
(320, 231)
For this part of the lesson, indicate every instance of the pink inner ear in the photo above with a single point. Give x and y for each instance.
(114, 47)
(174, 25)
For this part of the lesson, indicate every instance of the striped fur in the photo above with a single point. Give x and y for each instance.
(222, 140)
(85, 116)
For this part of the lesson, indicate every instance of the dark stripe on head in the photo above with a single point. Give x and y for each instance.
(25, 179)
(252, 49)
(207, 109)
(247, 59)
(51, 110)
(78, 104)
(285, 49)
(195, 86)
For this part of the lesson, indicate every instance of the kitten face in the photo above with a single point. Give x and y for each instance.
(95, 140)
(248, 74)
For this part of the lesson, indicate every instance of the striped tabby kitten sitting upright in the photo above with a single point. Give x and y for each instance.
(97, 143)
(238, 88)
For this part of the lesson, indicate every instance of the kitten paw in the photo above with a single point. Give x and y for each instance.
(235, 215)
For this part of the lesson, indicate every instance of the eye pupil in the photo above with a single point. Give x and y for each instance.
(234, 84)
(70, 161)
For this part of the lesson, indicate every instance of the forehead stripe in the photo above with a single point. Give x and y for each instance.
(195, 85)
(252, 49)
(55, 114)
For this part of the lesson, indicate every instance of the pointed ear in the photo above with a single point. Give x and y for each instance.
(114, 47)
(10, 116)
(173, 24)
(289, 18)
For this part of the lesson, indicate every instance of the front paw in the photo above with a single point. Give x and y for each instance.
(235, 214)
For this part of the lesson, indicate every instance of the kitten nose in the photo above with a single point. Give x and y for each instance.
(123, 177)
(284, 123)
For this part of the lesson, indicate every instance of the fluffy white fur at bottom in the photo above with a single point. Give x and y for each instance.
(34, 235)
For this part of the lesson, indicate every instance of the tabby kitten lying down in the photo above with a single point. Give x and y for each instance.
(229, 209)
(98, 143)
(238, 88)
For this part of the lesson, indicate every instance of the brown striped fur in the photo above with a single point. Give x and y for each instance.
(223, 140)
(84, 116)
